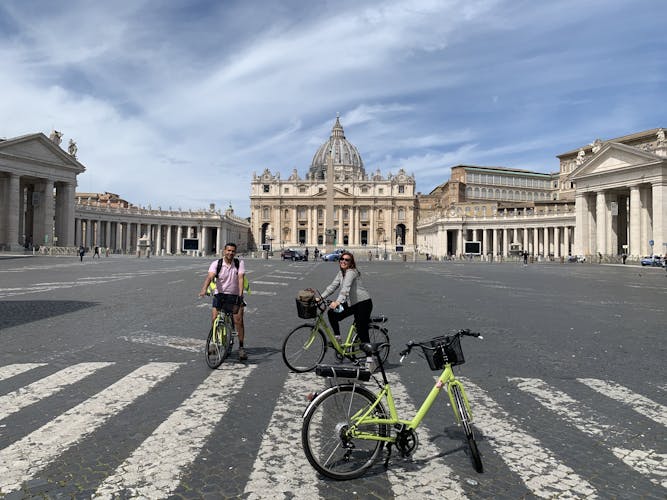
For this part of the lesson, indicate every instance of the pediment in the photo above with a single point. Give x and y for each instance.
(39, 149)
(337, 192)
(614, 157)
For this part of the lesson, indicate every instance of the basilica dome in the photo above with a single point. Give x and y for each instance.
(346, 158)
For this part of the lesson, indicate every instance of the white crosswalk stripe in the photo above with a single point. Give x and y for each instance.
(15, 401)
(24, 458)
(177, 440)
(421, 479)
(640, 404)
(10, 371)
(644, 460)
(538, 467)
(280, 467)
(277, 455)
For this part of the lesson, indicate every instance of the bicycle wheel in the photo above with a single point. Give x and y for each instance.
(375, 334)
(324, 436)
(229, 336)
(304, 348)
(466, 422)
(217, 344)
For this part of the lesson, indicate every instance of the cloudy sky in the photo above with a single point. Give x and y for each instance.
(177, 103)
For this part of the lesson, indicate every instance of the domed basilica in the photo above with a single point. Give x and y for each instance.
(337, 204)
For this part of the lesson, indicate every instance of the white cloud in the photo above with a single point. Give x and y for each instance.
(177, 104)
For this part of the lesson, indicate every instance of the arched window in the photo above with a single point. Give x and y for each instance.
(401, 213)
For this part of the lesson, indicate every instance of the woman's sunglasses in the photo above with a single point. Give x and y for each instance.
(346, 260)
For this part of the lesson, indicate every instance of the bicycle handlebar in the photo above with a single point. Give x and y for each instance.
(461, 333)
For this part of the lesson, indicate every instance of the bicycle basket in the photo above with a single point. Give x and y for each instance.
(306, 309)
(447, 350)
(230, 303)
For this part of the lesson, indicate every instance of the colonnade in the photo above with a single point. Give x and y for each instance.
(35, 211)
(120, 229)
(546, 235)
(631, 220)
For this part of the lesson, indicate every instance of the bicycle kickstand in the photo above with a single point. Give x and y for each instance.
(386, 462)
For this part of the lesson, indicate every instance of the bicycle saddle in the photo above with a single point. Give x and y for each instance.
(372, 348)
(379, 319)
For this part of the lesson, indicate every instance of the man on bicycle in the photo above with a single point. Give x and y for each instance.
(228, 282)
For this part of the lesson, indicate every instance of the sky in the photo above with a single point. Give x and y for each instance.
(176, 104)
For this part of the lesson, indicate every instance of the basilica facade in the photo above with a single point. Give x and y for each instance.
(335, 204)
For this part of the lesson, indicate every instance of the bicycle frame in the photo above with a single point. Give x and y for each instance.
(446, 379)
(339, 347)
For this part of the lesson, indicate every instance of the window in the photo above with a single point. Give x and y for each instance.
(381, 191)
(320, 189)
(364, 190)
(302, 212)
(346, 214)
(286, 213)
(347, 190)
(302, 189)
(286, 190)
(265, 213)
(320, 214)
(401, 189)
(401, 214)
(266, 188)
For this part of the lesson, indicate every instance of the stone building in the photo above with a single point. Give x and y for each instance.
(336, 204)
(39, 207)
(608, 198)
(37, 189)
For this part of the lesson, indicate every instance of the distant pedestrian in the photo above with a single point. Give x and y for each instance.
(108, 251)
(96, 252)
(316, 253)
(82, 252)
(624, 256)
(306, 254)
(525, 258)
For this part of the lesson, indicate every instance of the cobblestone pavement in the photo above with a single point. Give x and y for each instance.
(104, 391)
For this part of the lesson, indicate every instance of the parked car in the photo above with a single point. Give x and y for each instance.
(292, 254)
(333, 256)
(654, 260)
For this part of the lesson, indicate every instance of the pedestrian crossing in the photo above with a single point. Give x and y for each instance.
(167, 457)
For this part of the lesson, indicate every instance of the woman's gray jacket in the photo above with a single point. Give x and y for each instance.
(352, 290)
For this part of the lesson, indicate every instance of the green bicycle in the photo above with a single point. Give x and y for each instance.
(346, 426)
(220, 338)
(305, 346)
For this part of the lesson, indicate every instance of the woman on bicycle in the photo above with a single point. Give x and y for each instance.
(352, 296)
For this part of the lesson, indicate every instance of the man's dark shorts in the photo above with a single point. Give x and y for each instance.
(227, 302)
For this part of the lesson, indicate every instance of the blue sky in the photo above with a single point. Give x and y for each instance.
(178, 103)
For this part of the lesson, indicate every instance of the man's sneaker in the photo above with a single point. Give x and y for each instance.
(242, 355)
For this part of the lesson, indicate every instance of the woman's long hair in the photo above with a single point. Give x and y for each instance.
(350, 265)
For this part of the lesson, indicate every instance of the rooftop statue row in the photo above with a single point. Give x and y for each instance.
(341, 176)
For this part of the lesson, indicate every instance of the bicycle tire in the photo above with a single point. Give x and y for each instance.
(466, 422)
(217, 346)
(376, 334)
(229, 327)
(303, 348)
(322, 433)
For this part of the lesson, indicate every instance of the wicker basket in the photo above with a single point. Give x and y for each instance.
(306, 309)
(443, 350)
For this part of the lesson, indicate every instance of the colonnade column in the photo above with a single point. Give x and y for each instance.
(128, 237)
(13, 211)
(659, 191)
(601, 222)
(505, 242)
(566, 240)
(78, 235)
(635, 223)
(581, 227)
(119, 236)
(557, 249)
(179, 239)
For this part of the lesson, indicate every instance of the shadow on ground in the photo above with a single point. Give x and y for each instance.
(18, 312)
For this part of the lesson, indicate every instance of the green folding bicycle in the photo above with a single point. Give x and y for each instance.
(346, 427)
(306, 345)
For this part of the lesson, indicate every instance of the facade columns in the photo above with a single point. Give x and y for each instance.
(601, 223)
(13, 211)
(659, 191)
(582, 226)
(635, 223)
